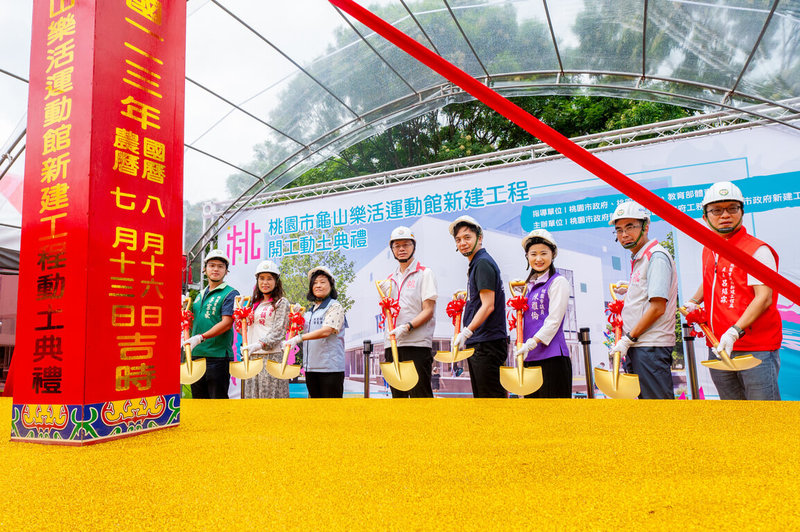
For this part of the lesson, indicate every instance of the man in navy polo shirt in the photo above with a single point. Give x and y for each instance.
(484, 313)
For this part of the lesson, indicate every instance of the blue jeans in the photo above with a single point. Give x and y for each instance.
(653, 365)
(756, 384)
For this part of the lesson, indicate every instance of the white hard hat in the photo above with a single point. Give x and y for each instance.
(468, 220)
(219, 255)
(722, 191)
(545, 235)
(267, 266)
(322, 269)
(629, 209)
(402, 233)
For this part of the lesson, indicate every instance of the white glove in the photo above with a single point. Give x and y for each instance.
(621, 287)
(400, 331)
(194, 341)
(690, 306)
(622, 346)
(529, 344)
(726, 341)
(291, 342)
(252, 348)
(462, 337)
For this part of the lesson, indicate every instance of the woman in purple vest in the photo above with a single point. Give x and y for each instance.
(548, 298)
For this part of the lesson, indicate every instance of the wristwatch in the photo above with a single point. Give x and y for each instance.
(410, 326)
(738, 330)
(631, 338)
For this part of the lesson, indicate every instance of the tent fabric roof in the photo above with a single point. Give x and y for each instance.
(273, 91)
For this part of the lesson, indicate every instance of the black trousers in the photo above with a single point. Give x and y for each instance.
(556, 378)
(484, 368)
(422, 357)
(324, 384)
(214, 384)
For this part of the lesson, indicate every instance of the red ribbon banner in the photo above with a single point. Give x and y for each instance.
(566, 147)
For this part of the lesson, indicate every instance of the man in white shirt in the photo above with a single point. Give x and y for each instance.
(651, 302)
(414, 286)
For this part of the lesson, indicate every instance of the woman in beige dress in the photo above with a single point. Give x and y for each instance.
(270, 322)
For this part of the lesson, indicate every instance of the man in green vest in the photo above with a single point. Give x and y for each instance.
(212, 333)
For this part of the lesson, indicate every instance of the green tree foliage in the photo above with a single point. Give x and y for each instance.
(507, 43)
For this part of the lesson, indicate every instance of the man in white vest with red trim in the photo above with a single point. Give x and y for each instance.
(741, 310)
(651, 301)
(414, 286)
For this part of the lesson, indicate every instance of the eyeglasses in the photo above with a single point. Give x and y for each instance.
(627, 229)
(717, 211)
(399, 245)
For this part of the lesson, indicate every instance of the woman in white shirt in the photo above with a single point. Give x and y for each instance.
(543, 322)
(270, 322)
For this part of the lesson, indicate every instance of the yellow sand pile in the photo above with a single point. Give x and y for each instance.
(421, 465)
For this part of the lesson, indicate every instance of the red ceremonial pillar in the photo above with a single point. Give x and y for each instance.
(100, 265)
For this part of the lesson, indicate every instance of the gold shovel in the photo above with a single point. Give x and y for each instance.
(520, 380)
(400, 375)
(283, 370)
(191, 370)
(726, 363)
(455, 354)
(246, 369)
(612, 383)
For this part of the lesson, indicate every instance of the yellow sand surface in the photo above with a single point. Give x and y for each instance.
(438, 464)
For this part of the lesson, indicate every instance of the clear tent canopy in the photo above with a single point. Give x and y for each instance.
(274, 89)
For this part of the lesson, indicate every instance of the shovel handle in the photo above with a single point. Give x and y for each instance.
(515, 285)
(711, 338)
(612, 288)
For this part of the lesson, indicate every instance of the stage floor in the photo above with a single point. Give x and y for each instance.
(438, 464)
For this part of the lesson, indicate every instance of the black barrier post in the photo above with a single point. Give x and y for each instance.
(688, 350)
(583, 337)
(367, 353)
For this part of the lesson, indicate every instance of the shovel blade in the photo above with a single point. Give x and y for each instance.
(450, 357)
(403, 378)
(627, 385)
(198, 370)
(530, 382)
(739, 363)
(242, 370)
(290, 371)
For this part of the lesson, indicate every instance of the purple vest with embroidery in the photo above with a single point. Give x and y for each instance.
(538, 308)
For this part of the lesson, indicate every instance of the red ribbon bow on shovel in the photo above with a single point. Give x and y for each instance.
(518, 304)
(455, 308)
(391, 305)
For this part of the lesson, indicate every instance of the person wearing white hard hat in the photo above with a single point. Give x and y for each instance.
(543, 323)
(414, 286)
(212, 329)
(484, 313)
(323, 338)
(268, 330)
(742, 311)
(651, 302)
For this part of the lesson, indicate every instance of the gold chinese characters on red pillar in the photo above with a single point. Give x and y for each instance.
(100, 262)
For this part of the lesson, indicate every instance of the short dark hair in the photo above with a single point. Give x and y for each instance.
(277, 292)
(539, 240)
(310, 295)
(472, 227)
